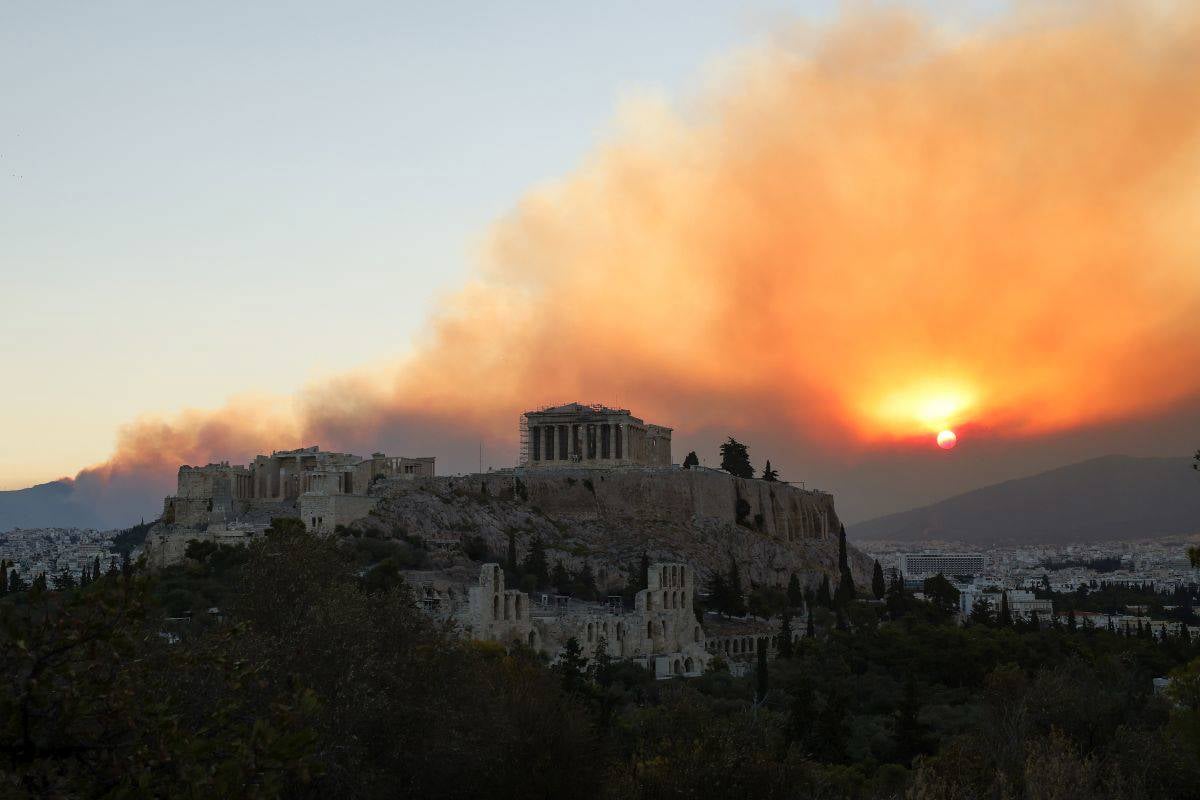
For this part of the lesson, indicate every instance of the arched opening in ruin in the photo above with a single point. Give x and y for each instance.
(663, 576)
(664, 628)
(688, 666)
(533, 638)
(495, 606)
(518, 606)
(696, 634)
(496, 578)
(666, 600)
(590, 632)
(649, 629)
(678, 667)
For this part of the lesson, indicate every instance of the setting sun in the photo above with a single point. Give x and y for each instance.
(946, 440)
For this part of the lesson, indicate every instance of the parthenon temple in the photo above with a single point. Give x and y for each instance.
(580, 435)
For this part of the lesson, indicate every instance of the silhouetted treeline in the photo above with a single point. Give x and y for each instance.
(321, 678)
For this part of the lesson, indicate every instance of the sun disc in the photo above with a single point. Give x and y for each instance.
(946, 440)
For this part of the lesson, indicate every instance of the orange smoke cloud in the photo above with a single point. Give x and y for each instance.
(870, 232)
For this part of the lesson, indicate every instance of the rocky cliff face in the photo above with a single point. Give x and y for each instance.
(609, 518)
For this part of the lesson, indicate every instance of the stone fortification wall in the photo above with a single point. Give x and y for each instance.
(668, 494)
(610, 518)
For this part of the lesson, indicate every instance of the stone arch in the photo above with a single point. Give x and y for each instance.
(507, 606)
(664, 628)
(533, 638)
(688, 666)
(663, 576)
(495, 606)
(517, 606)
(696, 634)
(649, 629)
(591, 632)
(604, 627)
(666, 603)
(496, 578)
(678, 667)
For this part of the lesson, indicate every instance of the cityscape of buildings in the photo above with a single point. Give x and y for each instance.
(52, 551)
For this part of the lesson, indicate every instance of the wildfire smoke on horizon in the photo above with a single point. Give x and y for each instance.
(869, 233)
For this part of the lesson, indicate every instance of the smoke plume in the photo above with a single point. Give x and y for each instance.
(861, 234)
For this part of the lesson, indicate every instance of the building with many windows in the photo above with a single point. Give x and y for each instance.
(917, 564)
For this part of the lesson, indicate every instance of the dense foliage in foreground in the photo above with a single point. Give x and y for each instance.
(324, 680)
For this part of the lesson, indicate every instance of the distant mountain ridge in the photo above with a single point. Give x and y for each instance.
(1102, 499)
(47, 505)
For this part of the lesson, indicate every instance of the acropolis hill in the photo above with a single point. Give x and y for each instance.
(596, 484)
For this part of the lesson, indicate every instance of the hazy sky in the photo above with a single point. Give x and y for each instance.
(198, 200)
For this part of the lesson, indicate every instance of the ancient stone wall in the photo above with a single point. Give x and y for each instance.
(324, 512)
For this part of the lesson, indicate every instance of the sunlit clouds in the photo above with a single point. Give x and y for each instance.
(867, 234)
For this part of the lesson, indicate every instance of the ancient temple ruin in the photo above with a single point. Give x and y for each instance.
(578, 435)
(329, 488)
(660, 633)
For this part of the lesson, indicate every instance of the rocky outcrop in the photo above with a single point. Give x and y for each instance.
(609, 518)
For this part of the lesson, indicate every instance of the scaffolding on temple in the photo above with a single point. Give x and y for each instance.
(523, 453)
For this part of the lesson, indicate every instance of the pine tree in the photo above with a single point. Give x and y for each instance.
(112, 567)
(1071, 619)
(691, 460)
(760, 674)
(737, 599)
(1005, 619)
(824, 599)
(895, 599)
(512, 552)
(785, 636)
(560, 578)
(878, 586)
(586, 581)
(794, 592)
(96, 569)
(571, 666)
(735, 459)
(843, 562)
(601, 669)
(845, 590)
(981, 612)
(718, 593)
(15, 582)
(1034, 624)
(3, 577)
(769, 474)
(810, 628)
(535, 562)
(126, 565)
